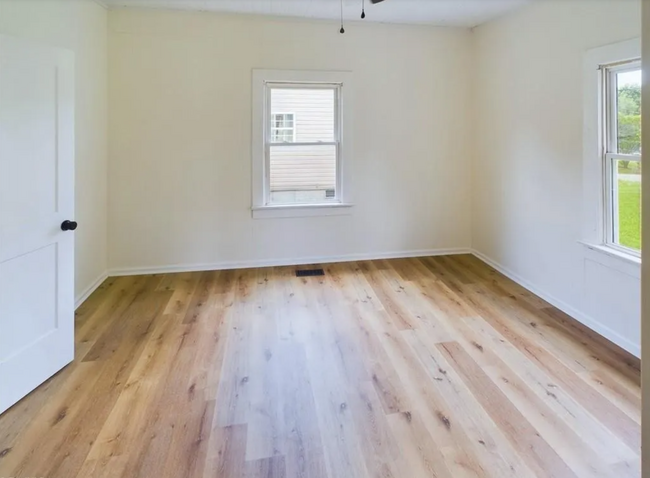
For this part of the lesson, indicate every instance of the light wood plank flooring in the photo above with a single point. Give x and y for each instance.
(413, 368)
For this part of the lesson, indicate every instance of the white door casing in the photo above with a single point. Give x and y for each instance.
(36, 196)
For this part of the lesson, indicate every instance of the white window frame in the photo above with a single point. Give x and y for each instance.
(263, 80)
(284, 128)
(336, 140)
(610, 150)
(598, 160)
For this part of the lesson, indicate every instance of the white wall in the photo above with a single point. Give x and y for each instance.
(180, 138)
(80, 26)
(527, 170)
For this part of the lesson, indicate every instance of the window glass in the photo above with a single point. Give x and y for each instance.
(313, 112)
(303, 154)
(627, 204)
(628, 89)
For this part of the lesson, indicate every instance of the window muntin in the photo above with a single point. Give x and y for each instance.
(305, 170)
(622, 155)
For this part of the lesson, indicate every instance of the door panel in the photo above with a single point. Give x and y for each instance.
(24, 319)
(29, 111)
(36, 196)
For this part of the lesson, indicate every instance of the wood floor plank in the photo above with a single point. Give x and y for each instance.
(419, 368)
(385, 294)
(21, 448)
(273, 467)
(498, 284)
(330, 384)
(618, 390)
(265, 416)
(183, 287)
(576, 453)
(115, 301)
(127, 416)
(427, 400)
(495, 451)
(601, 350)
(606, 412)
(174, 392)
(605, 444)
(420, 456)
(301, 431)
(226, 452)
(233, 401)
(377, 443)
(95, 301)
(539, 455)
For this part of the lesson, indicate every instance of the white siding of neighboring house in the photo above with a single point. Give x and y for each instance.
(303, 168)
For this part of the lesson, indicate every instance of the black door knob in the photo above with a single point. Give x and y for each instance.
(68, 226)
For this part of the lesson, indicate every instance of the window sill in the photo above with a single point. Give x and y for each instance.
(302, 210)
(614, 258)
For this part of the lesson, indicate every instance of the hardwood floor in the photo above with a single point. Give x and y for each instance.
(413, 368)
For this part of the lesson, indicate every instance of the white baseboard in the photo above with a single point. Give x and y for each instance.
(584, 319)
(283, 262)
(81, 298)
(563, 306)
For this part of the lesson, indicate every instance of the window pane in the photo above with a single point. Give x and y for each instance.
(302, 174)
(627, 204)
(628, 86)
(312, 112)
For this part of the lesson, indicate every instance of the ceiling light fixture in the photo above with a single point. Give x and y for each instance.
(363, 11)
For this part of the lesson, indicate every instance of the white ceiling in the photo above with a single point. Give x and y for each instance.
(466, 13)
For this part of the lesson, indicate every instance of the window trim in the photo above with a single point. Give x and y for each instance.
(262, 130)
(596, 174)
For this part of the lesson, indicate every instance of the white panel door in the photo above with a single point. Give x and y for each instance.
(36, 197)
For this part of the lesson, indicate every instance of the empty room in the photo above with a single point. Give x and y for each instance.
(323, 238)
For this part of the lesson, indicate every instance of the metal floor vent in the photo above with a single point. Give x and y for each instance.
(310, 273)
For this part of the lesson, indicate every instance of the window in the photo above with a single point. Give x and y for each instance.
(611, 188)
(302, 169)
(300, 149)
(283, 129)
(621, 85)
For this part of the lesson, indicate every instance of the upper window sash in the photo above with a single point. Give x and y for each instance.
(268, 129)
(610, 101)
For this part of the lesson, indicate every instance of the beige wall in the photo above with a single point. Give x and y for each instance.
(645, 284)
(80, 26)
(528, 165)
(180, 139)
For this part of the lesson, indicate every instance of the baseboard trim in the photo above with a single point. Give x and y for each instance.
(284, 262)
(563, 306)
(584, 319)
(81, 298)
